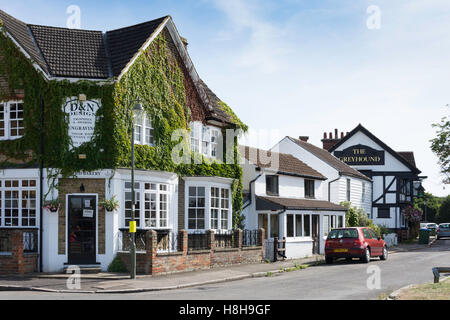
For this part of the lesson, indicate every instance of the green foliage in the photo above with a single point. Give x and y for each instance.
(384, 229)
(117, 266)
(225, 108)
(430, 205)
(356, 217)
(441, 146)
(444, 211)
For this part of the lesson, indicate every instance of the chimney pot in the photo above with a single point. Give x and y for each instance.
(330, 135)
(342, 135)
(335, 133)
(304, 138)
(324, 135)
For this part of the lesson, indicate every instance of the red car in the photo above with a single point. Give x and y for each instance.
(355, 242)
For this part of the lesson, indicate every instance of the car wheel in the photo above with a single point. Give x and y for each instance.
(328, 260)
(366, 257)
(384, 256)
(349, 259)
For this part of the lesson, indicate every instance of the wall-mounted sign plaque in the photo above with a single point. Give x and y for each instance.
(361, 155)
(82, 117)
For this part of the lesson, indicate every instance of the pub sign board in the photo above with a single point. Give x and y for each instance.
(361, 155)
(82, 118)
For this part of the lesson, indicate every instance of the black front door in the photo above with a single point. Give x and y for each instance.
(81, 229)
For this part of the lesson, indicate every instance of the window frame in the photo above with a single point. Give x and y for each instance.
(310, 186)
(205, 137)
(208, 207)
(20, 189)
(141, 191)
(7, 120)
(145, 124)
(384, 217)
(277, 185)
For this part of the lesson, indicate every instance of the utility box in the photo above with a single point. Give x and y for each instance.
(424, 236)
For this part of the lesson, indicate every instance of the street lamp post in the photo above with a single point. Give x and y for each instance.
(136, 112)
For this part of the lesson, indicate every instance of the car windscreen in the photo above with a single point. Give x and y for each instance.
(343, 234)
(445, 226)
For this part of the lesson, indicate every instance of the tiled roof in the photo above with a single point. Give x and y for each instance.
(409, 156)
(265, 203)
(72, 53)
(331, 160)
(19, 31)
(217, 111)
(124, 43)
(282, 163)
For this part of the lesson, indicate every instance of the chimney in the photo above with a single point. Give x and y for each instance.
(329, 142)
(304, 138)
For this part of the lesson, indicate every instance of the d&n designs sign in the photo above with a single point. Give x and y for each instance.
(361, 155)
(82, 116)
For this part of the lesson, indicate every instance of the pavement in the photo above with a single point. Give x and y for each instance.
(109, 283)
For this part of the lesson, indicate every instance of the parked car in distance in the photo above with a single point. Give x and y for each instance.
(432, 226)
(443, 230)
(354, 242)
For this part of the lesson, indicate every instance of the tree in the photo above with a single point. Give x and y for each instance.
(444, 211)
(430, 206)
(441, 146)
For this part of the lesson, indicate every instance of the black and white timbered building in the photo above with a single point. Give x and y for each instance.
(394, 174)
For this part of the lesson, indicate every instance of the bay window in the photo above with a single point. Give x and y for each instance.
(152, 205)
(18, 203)
(208, 207)
(11, 120)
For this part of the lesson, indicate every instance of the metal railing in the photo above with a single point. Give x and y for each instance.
(168, 241)
(29, 241)
(198, 240)
(224, 239)
(251, 238)
(125, 240)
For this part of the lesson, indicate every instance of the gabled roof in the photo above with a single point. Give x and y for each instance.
(409, 156)
(395, 154)
(284, 164)
(277, 203)
(21, 34)
(124, 43)
(329, 159)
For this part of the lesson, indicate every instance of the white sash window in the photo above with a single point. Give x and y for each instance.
(143, 130)
(18, 203)
(11, 120)
(205, 139)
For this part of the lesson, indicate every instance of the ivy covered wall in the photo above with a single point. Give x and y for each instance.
(156, 77)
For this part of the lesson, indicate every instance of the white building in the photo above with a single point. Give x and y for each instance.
(343, 182)
(286, 198)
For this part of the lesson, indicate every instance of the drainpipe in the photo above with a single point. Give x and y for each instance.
(250, 190)
(329, 185)
(41, 184)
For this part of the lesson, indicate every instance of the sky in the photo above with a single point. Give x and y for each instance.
(302, 68)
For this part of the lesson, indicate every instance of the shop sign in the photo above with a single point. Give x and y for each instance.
(361, 155)
(82, 116)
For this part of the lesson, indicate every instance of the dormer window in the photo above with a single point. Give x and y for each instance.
(143, 130)
(11, 120)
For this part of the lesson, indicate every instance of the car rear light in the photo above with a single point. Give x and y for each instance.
(357, 243)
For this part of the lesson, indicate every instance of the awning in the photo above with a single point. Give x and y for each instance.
(277, 203)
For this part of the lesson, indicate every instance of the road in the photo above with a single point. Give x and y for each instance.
(341, 280)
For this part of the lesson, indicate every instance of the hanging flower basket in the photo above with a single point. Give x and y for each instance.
(412, 214)
(109, 205)
(53, 206)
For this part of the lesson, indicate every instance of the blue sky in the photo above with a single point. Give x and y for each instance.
(297, 67)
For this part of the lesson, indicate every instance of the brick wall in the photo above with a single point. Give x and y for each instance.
(71, 186)
(16, 261)
(183, 260)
